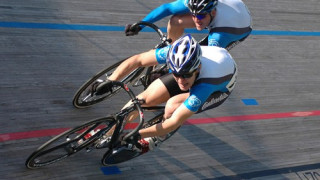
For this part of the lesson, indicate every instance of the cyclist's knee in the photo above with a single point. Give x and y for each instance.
(169, 109)
(171, 105)
(155, 94)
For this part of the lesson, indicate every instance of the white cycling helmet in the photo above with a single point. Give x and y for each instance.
(201, 6)
(184, 55)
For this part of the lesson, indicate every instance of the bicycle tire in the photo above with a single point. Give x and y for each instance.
(111, 158)
(68, 143)
(83, 98)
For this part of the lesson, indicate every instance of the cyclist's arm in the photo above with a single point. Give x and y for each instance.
(180, 115)
(140, 60)
(198, 96)
(176, 7)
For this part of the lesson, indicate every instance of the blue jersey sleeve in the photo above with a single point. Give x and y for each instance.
(161, 54)
(176, 7)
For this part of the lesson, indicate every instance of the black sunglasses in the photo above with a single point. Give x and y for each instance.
(200, 16)
(184, 76)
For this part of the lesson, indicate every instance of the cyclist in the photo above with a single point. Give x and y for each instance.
(202, 78)
(228, 21)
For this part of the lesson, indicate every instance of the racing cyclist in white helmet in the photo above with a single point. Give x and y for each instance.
(201, 78)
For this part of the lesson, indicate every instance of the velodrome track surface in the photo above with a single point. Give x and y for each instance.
(268, 129)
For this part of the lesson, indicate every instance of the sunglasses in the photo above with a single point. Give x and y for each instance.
(184, 76)
(200, 16)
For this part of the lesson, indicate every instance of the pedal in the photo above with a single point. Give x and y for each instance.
(104, 143)
(89, 149)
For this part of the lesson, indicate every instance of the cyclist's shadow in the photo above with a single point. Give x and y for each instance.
(220, 151)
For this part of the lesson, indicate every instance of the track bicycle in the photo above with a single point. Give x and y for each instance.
(142, 76)
(107, 131)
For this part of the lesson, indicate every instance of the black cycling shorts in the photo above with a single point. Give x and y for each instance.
(171, 84)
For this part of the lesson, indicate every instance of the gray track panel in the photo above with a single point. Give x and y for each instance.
(42, 68)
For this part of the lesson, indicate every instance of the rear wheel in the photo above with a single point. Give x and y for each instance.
(70, 142)
(123, 153)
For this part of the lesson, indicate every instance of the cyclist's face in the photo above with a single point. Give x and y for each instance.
(201, 21)
(186, 83)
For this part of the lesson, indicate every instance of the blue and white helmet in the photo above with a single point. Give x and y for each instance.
(202, 6)
(184, 55)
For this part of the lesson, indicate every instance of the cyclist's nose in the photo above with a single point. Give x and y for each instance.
(181, 79)
(197, 20)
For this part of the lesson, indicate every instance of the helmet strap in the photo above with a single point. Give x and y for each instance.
(198, 71)
(211, 17)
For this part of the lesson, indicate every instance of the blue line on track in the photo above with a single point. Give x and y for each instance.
(60, 26)
(110, 170)
(82, 27)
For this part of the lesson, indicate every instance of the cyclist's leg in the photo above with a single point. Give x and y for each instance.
(161, 90)
(177, 24)
(173, 103)
(174, 98)
(152, 95)
(177, 96)
(158, 92)
(155, 94)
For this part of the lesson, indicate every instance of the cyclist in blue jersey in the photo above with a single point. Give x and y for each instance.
(202, 78)
(228, 21)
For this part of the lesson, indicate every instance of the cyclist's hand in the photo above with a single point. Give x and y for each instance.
(103, 87)
(132, 30)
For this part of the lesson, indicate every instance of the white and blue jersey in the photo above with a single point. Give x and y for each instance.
(232, 21)
(215, 81)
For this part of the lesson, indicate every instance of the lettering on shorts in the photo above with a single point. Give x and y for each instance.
(232, 45)
(214, 101)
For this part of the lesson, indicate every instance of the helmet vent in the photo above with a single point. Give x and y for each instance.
(184, 51)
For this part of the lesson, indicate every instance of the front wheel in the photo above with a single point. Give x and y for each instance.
(83, 97)
(70, 142)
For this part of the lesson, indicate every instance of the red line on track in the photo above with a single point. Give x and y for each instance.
(53, 132)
